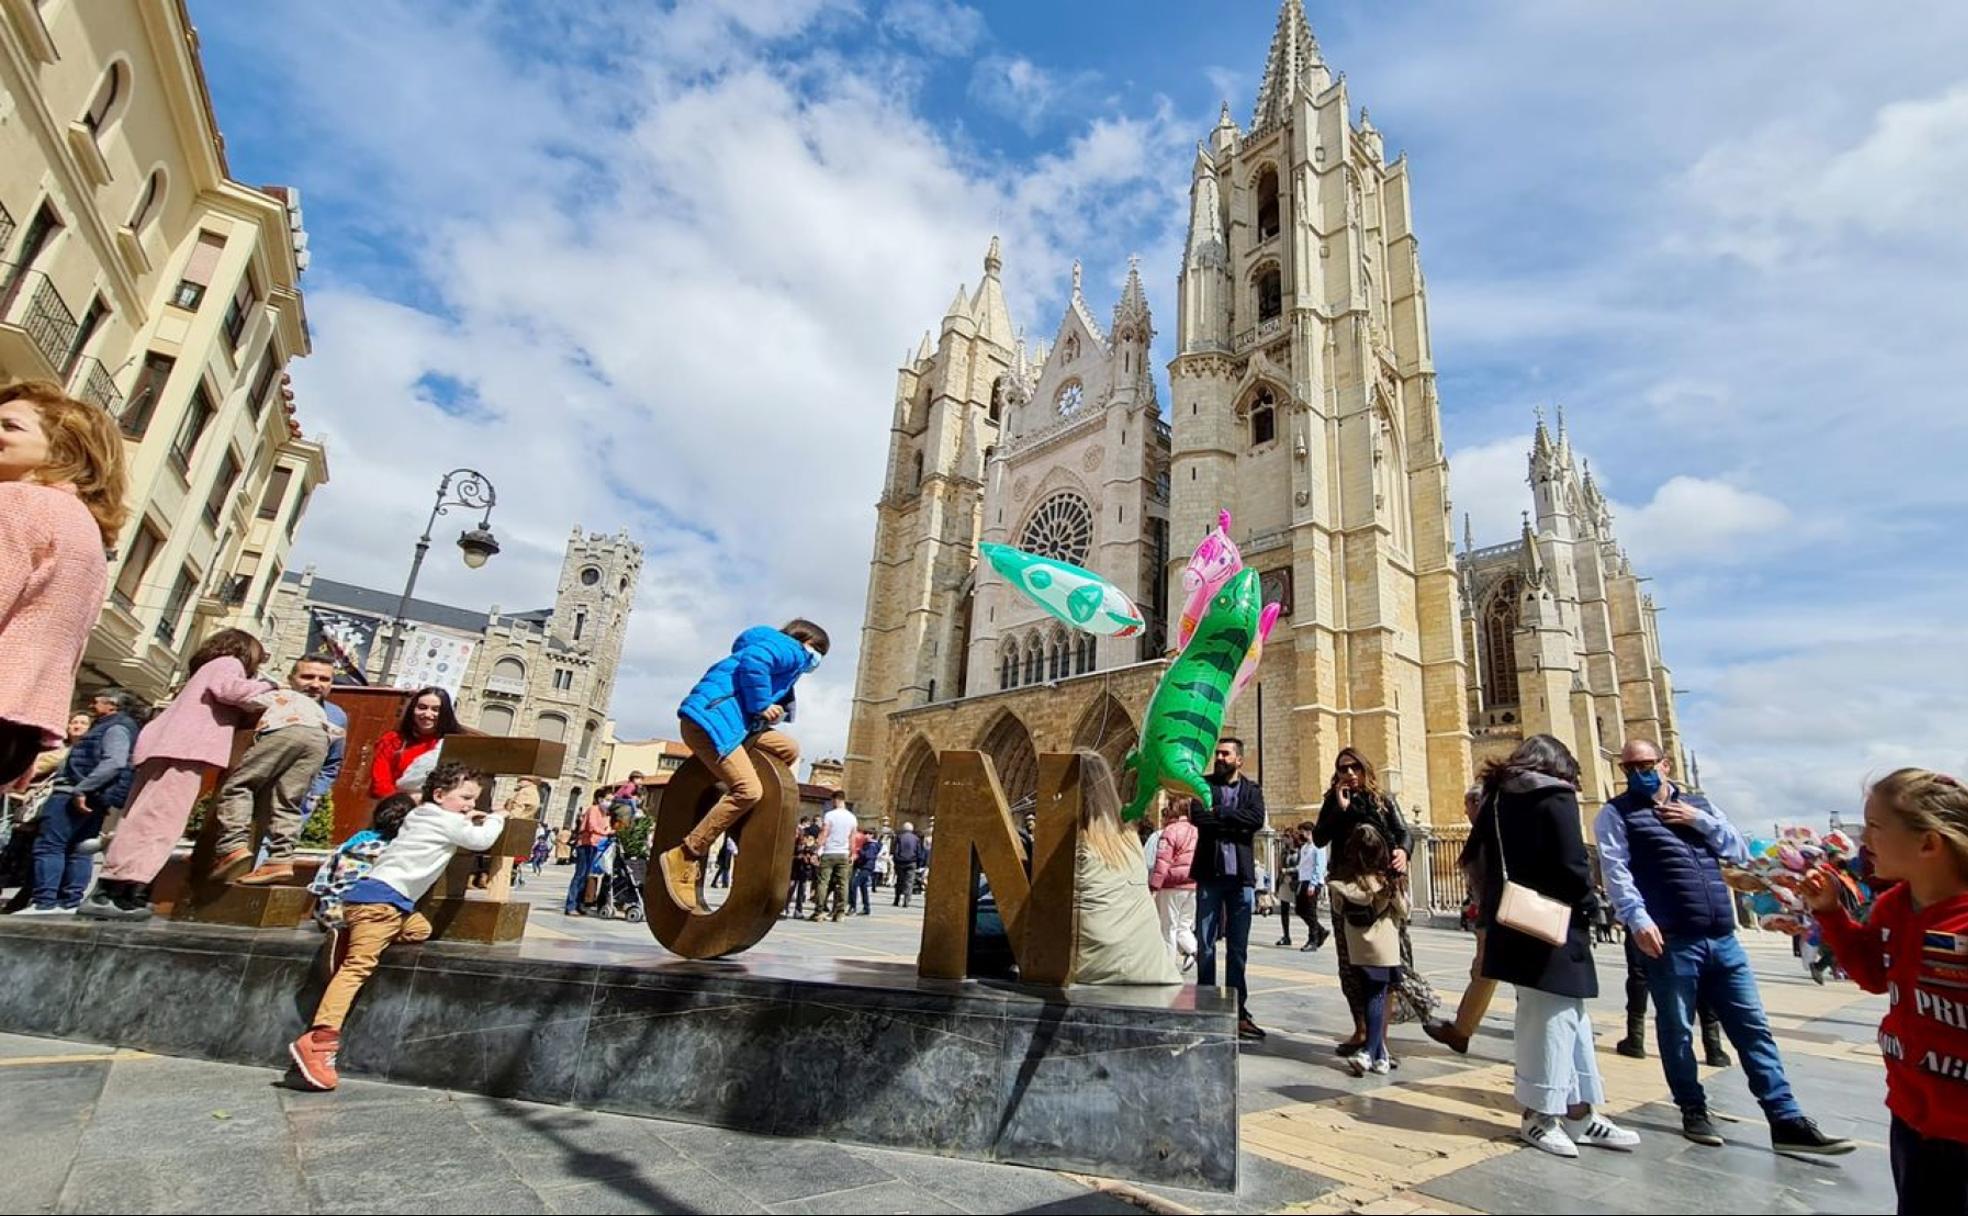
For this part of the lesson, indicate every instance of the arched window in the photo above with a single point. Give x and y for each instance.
(1060, 528)
(588, 738)
(509, 668)
(1008, 667)
(1060, 657)
(997, 399)
(1263, 417)
(1034, 659)
(553, 727)
(1069, 350)
(1500, 644)
(1084, 650)
(1270, 292)
(111, 99)
(1267, 203)
(496, 719)
(149, 203)
(919, 470)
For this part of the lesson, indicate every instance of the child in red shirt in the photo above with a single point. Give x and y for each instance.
(1914, 947)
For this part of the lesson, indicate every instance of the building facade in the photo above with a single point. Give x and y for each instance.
(135, 271)
(548, 672)
(1303, 400)
(1563, 641)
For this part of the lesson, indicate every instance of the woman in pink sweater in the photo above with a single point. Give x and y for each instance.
(190, 738)
(61, 504)
(1175, 890)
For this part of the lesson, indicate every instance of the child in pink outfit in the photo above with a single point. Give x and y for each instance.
(192, 737)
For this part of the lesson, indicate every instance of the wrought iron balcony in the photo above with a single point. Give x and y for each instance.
(93, 383)
(36, 326)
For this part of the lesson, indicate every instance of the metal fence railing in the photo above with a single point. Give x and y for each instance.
(1448, 890)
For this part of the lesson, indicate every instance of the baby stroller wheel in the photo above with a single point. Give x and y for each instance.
(633, 915)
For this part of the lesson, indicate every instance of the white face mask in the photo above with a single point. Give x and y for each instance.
(813, 656)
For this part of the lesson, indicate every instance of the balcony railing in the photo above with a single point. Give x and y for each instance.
(31, 304)
(232, 592)
(93, 384)
(6, 228)
(1257, 333)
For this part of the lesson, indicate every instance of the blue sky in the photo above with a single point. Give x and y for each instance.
(653, 267)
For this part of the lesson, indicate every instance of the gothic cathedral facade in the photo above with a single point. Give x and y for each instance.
(1302, 400)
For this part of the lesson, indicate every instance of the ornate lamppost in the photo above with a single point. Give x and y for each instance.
(474, 492)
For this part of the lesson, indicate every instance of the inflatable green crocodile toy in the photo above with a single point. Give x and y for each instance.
(1178, 744)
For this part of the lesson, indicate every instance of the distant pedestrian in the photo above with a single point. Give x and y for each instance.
(806, 862)
(1476, 997)
(910, 854)
(836, 850)
(1285, 886)
(867, 853)
(1226, 876)
(1173, 879)
(596, 829)
(1311, 888)
(62, 483)
(726, 851)
(93, 782)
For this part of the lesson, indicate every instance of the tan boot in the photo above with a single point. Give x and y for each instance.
(681, 874)
(232, 860)
(272, 874)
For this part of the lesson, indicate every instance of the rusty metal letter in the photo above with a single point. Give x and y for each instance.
(761, 874)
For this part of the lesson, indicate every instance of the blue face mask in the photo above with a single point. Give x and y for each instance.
(1645, 783)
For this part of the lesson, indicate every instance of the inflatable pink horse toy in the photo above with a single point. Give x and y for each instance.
(1211, 566)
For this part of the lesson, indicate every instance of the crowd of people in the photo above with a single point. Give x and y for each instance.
(117, 780)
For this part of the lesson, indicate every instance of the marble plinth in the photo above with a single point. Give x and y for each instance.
(1130, 1083)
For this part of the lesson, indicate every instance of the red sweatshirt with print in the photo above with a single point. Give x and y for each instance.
(1919, 959)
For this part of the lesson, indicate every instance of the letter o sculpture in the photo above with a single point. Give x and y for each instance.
(761, 874)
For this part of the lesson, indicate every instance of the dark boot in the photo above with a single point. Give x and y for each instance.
(114, 900)
(1712, 1053)
(1634, 1045)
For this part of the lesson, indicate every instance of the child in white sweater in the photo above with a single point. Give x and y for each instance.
(380, 908)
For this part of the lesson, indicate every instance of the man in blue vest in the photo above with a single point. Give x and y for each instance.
(1661, 849)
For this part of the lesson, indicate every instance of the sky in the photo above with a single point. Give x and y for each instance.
(654, 266)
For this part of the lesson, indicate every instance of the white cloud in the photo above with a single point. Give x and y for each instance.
(1489, 484)
(1016, 88)
(942, 27)
(1696, 519)
(1787, 189)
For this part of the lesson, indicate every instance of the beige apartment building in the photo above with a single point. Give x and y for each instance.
(138, 273)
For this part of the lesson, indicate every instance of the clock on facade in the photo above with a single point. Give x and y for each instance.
(1276, 587)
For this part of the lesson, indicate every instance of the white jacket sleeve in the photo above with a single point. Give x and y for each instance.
(473, 837)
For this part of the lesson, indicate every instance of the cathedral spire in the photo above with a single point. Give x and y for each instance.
(959, 316)
(1294, 53)
(1133, 307)
(1468, 534)
(987, 307)
(924, 350)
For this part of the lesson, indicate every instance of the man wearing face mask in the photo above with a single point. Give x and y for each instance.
(1661, 849)
(1225, 872)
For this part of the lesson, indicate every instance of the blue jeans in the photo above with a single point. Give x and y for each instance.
(583, 862)
(1223, 906)
(1715, 972)
(61, 874)
(863, 884)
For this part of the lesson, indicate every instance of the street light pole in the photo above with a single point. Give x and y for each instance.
(474, 493)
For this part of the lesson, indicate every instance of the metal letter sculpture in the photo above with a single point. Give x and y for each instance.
(761, 874)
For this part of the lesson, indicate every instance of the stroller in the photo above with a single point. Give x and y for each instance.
(622, 889)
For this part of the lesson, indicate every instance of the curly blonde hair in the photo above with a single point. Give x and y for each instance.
(1927, 801)
(85, 450)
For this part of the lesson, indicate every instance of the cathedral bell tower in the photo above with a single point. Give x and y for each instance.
(1303, 398)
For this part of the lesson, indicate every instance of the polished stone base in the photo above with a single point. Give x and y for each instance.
(1130, 1083)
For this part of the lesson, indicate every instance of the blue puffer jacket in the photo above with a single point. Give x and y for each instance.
(760, 672)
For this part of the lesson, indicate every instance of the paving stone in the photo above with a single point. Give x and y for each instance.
(684, 1189)
(881, 1197)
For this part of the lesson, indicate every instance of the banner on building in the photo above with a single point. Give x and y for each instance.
(432, 659)
(347, 638)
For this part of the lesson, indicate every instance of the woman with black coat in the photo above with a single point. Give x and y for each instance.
(1528, 834)
(1355, 798)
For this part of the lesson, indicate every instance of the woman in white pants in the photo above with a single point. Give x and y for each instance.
(1175, 890)
(1527, 836)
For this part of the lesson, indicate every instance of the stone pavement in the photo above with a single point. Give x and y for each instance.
(94, 1130)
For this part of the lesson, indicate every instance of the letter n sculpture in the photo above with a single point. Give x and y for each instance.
(973, 831)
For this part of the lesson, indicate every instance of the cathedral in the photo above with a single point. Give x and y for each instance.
(1561, 638)
(1303, 400)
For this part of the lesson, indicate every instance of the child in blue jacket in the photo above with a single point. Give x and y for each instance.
(740, 702)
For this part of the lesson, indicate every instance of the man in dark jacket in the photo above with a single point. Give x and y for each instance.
(1226, 874)
(1661, 849)
(908, 855)
(94, 780)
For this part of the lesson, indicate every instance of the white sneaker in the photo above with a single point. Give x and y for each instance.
(34, 911)
(1380, 1067)
(1359, 1064)
(1597, 1131)
(1544, 1132)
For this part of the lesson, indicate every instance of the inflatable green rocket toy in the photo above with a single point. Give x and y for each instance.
(1185, 715)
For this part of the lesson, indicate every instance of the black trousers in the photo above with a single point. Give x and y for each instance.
(1930, 1174)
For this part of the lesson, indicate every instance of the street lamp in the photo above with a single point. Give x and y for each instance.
(473, 492)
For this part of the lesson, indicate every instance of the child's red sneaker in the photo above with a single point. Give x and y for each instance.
(314, 1057)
